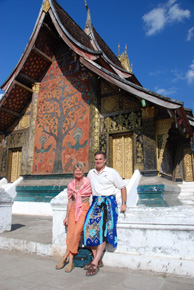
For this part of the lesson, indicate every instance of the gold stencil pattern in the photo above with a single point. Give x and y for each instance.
(94, 134)
(121, 122)
(122, 159)
(109, 104)
(188, 165)
(15, 164)
(162, 128)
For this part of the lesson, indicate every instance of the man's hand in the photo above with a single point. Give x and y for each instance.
(123, 208)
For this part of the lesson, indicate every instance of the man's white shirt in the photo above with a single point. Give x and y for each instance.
(106, 182)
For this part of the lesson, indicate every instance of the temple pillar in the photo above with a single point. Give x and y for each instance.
(94, 126)
(162, 133)
(27, 164)
(149, 141)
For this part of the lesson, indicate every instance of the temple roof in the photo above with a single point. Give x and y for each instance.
(54, 26)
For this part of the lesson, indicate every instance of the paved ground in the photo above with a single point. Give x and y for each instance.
(25, 271)
(19, 270)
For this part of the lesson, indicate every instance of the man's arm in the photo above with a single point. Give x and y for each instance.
(124, 199)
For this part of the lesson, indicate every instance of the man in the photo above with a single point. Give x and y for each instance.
(101, 220)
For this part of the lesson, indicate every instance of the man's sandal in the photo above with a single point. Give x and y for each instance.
(69, 268)
(61, 264)
(100, 264)
(92, 270)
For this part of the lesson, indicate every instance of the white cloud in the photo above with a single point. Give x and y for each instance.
(190, 33)
(1, 95)
(154, 21)
(164, 14)
(176, 14)
(190, 74)
(156, 73)
(178, 75)
(165, 92)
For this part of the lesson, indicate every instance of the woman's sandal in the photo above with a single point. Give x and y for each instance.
(61, 264)
(92, 270)
(100, 264)
(69, 268)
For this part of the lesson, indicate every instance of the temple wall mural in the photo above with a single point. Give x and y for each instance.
(62, 125)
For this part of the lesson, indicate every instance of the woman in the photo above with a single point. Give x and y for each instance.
(79, 191)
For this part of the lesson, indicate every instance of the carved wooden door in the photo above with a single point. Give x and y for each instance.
(15, 164)
(122, 155)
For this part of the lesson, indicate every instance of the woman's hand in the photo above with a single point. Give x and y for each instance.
(65, 221)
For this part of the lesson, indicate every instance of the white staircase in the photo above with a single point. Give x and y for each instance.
(186, 195)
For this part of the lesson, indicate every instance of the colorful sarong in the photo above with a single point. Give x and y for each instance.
(101, 222)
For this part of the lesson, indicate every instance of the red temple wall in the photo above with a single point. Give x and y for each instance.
(62, 123)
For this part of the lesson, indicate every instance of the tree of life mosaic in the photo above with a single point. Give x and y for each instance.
(62, 129)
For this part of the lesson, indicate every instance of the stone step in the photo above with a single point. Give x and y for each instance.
(26, 246)
(186, 193)
(187, 188)
(186, 197)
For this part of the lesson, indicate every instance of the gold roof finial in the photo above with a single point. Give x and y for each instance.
(46, 6)
(125, 60)
(88, 25)
(119, 53)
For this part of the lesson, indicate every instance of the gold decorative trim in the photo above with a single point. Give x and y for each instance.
(94, 134)
(188, 165)
(124, 59)
(121, 148)
(46, 6)
(148, 112)
(162, 128)
(109, 104)
(36, 87)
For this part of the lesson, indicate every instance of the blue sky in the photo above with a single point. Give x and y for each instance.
(159, 36)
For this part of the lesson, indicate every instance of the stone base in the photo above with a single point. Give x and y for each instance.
(6, 203)
(157, 192)
(166, 265)
(149, 173)
(41, 188)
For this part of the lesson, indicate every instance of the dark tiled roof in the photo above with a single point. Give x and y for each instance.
(72, 28)
(106, 50)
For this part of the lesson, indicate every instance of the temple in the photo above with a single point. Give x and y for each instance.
(69, 96)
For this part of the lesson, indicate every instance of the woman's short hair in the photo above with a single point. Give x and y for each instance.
(79, 165)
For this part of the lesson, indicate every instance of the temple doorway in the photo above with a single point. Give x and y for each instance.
(121, 153)
(15, 164)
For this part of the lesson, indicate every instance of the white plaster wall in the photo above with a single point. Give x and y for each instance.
(157, 239)
(59, 207)
(10, 187)
(3, 182)
(6, 202)
(131, 186)
(5, 217)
